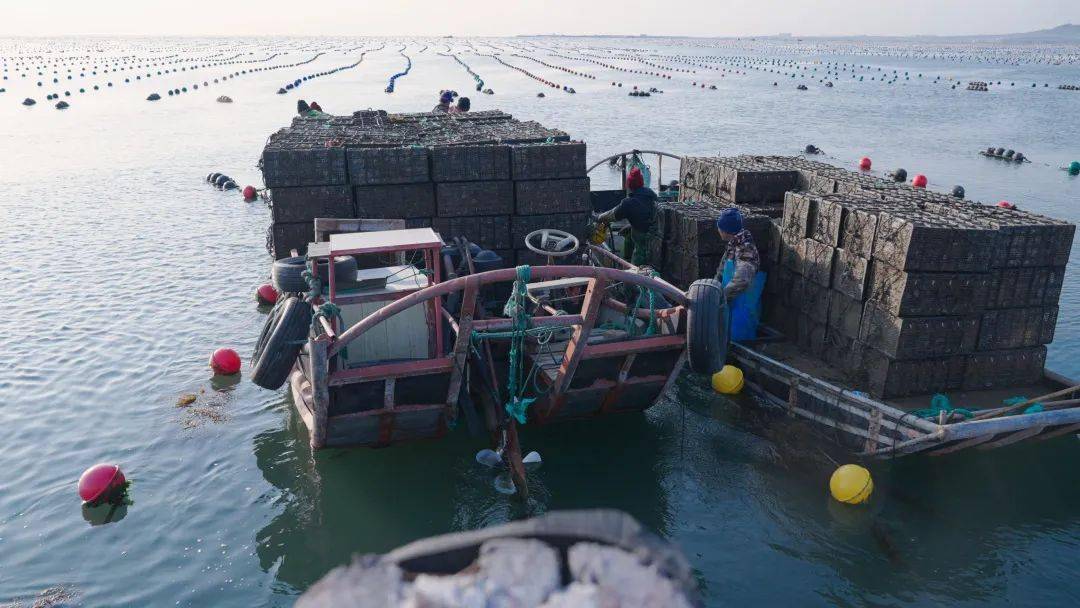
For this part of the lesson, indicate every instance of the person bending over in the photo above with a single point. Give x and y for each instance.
(740, 250)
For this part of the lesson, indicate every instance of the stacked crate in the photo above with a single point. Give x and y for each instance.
(754, 185)
(691, 246)
(483, 176)
(1027, 267)
(911, 292)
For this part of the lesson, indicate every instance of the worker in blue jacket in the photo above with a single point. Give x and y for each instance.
(639, 208)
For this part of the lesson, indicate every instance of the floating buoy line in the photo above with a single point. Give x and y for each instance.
(296, 83)
(408, 68)
(476, 77)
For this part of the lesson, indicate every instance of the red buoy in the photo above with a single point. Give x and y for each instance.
(919, 181)
(225, 361)
(1006, 205)
(865, 163)
(249, 193)
(266, 294)
(100, 482)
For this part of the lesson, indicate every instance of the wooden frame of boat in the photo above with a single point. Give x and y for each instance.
(404, 400)
(878, 430)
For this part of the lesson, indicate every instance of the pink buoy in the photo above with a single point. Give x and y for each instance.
(919, 181)
(100, 482)
(249, 193)
(266, 294)
(225, 361)
(865, 163)
(1006, 205)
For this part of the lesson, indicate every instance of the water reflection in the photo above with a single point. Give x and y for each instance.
(347, 501)
(937, 529)
(105, 513)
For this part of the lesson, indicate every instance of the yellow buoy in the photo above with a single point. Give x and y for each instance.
(728, 381)
(851, 484)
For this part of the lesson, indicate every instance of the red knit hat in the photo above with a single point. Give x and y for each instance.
(635, 179)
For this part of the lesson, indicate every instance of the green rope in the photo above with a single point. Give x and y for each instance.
(313, 283)
(630, 322)
(1034, 408)
(940, 403)
(517, 404)
(518, 381)
(330, 311)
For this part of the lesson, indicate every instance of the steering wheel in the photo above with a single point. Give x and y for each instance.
(551, 242)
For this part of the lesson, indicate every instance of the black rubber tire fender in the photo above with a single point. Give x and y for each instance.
(268, 326)
(286, 275)
(706, 326)
(285, 335)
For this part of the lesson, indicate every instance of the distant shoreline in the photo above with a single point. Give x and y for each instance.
(1066, 33)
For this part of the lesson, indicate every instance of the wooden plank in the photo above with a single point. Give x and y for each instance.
(575, 348)
(835, 400)
(637, 345)
(793, 394)
(328, 329)
(461, 345)
(399, 369)
(387, 416)
(1065, 430)
(785, 373)
(910, 446)
(302, 400)
(874, 429)
(384, 240)
(381, 296)
(450, 320)
(325, 226)
(961, 445)
(506, 324)
(320, 390)
(613, 395)
(829, 422)
(1013, 438)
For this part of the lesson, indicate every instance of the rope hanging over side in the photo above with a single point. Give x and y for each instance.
(517, 404)
(518, 380)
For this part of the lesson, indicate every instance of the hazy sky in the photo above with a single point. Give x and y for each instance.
(494, 17)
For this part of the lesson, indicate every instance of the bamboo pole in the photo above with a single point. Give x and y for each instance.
(1019, 406)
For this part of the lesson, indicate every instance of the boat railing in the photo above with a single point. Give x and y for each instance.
(470, 286)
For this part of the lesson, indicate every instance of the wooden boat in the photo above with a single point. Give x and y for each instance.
(403, 358)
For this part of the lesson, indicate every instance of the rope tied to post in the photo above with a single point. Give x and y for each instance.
(630, 322)
(517, 403)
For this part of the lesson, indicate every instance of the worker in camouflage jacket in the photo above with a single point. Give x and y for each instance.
(740, 250)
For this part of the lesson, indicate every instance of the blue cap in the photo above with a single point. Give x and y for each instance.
(730, 221)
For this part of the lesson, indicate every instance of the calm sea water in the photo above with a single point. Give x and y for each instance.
(124, 271)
